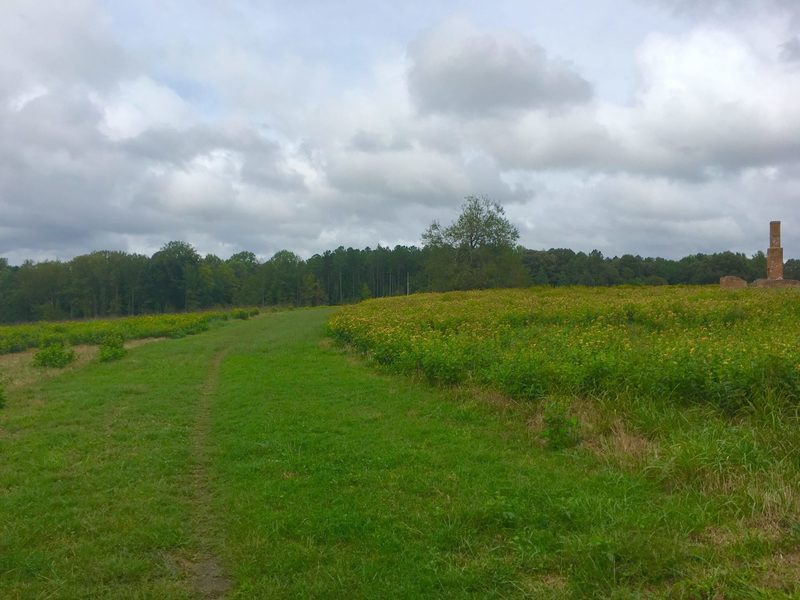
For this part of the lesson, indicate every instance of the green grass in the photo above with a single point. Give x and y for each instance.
(318, 477)
(94, 475)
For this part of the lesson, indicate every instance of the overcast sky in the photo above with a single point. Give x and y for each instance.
(648, 127)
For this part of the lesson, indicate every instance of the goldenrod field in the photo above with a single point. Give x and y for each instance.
(681, 344)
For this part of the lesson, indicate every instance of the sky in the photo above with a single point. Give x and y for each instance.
(649, 127)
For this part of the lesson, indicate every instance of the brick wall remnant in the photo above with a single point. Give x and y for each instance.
(731, 282)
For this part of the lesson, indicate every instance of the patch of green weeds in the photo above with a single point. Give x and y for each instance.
(54, 354)
(561, 430)
(112, 348)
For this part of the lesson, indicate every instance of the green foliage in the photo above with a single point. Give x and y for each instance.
(560, 429)
(54, 354)
(482, 223)
(173, 275)
(15, 338)
(477, 251)
(112, 347)
(2, 396)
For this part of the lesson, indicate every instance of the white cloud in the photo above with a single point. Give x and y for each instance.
(18, 102)
(711, 98)
(140, 104)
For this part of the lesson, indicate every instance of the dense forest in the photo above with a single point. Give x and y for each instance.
(177, 278)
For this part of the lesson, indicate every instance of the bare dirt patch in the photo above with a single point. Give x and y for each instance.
(544, 585)
(205, 576)
(602, 433)
(17, 370)
(736, 533)
(501, 402)
(618, 444)
(136, 343)
(783, 572)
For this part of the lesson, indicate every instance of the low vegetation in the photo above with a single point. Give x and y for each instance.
(560, 429)
(15, 338)
(259, 460)
(112, 347)
(53, 354)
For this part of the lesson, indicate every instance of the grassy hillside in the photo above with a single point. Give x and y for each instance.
(256, 460)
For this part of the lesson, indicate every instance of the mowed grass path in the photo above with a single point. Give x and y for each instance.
(257, 461)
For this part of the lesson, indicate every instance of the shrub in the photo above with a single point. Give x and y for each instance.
(54, 354)
(560, 429)
(241, 314)
(2, 396)
(112, 347)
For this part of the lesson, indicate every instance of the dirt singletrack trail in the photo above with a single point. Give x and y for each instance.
(204, 570)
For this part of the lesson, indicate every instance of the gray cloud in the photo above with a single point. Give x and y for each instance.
(56, 43)
(727, 8)
(263, 160)
(171, 145)
(364, 141)
(790, 50)
(424, 176)
(456, 69)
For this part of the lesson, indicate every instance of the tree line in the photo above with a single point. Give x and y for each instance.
(477, 251)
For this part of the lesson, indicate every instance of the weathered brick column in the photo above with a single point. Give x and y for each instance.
(775, 252)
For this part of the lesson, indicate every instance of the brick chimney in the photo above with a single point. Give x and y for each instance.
(775, 252)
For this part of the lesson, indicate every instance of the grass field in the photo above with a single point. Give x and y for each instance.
(257, 460)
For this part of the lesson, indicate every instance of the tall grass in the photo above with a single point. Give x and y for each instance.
(16, 338)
